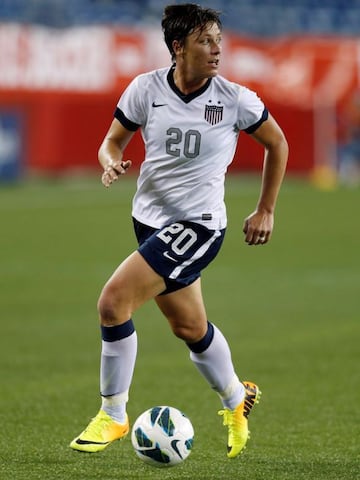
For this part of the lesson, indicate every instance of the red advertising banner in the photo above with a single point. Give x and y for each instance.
(67, 83)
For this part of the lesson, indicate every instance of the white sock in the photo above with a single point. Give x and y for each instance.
(215, 364)
(116, 372)
(115, 406)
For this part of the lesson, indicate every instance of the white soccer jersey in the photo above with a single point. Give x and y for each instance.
(189, 142)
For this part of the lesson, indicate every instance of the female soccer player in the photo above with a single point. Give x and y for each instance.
(190, 119)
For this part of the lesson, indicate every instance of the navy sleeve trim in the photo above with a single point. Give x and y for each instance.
(125, 122)
(264, 116)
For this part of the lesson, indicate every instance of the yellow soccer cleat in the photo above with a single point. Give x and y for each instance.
(101, 431)
(237, 420)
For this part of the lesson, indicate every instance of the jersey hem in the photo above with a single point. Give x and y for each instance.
(215, 224)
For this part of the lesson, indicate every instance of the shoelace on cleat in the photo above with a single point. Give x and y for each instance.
(233, 422)
(96, 426)
(230, 418)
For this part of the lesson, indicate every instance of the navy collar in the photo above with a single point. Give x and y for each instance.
(185, 98)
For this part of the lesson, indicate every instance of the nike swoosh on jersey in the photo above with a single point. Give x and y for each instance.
(156, 105)
(166, 254)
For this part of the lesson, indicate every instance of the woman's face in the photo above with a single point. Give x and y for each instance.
(200, 54)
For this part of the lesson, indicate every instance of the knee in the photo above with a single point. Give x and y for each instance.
(106, 308)
(189, 333)
(111, 307)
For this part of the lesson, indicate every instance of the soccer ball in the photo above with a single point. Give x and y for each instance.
(162, 436)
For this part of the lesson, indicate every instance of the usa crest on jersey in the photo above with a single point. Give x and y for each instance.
(213, 114)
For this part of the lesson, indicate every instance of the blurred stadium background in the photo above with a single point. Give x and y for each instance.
(63, 66)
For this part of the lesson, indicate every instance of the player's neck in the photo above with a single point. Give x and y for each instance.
(186, 82)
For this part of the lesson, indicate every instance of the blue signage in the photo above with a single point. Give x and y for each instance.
(11, 144)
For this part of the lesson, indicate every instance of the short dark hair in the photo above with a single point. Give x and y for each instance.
(181, 20)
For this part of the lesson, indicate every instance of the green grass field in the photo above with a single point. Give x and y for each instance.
(290, 310)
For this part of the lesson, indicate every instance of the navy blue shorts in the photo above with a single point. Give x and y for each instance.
(179, 251)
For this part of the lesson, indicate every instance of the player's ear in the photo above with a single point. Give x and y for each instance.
(178, 47)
